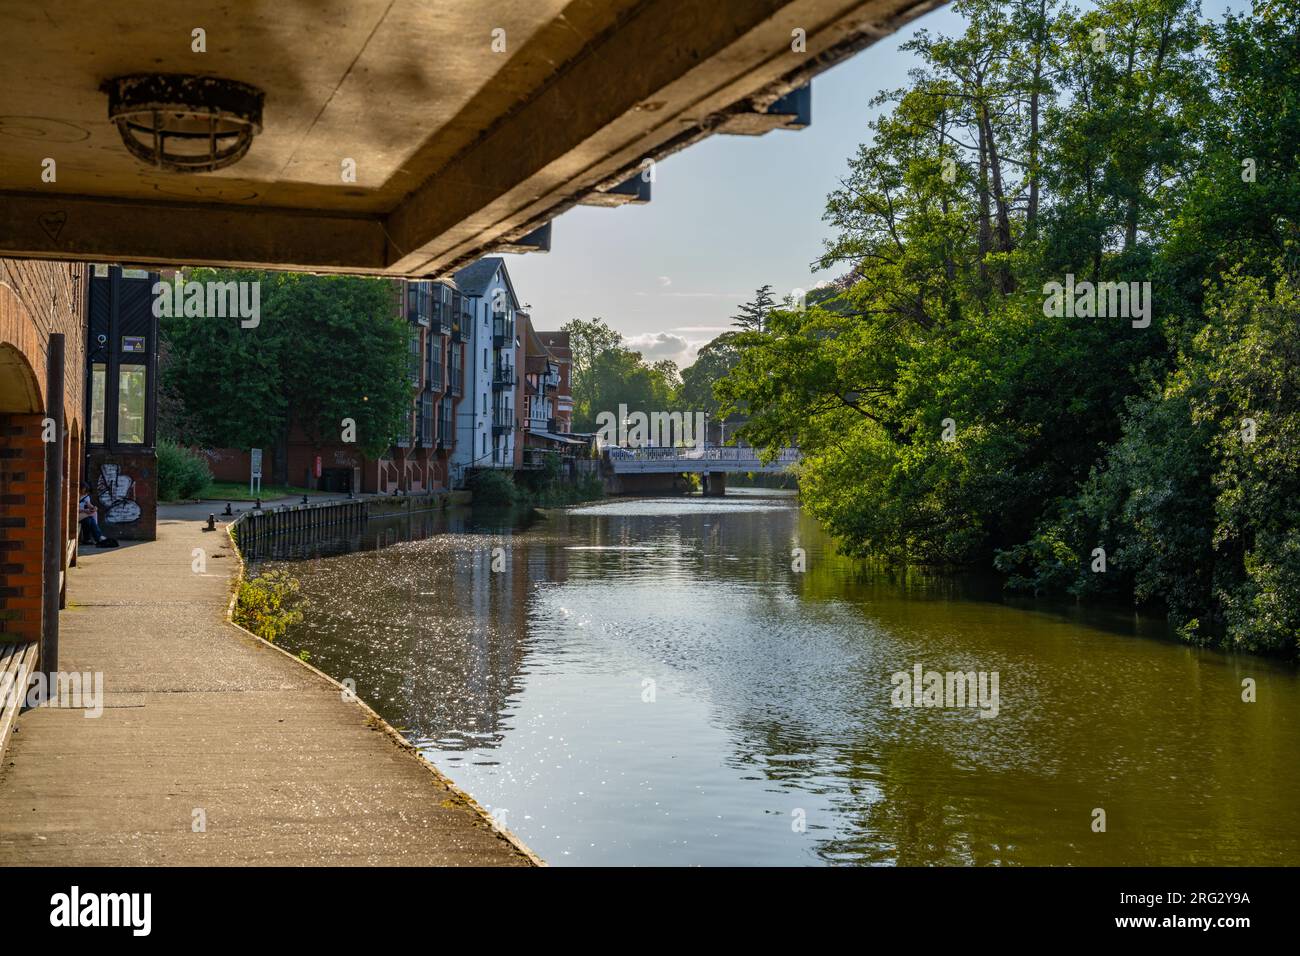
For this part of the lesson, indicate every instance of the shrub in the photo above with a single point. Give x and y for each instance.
(494, 489)
(182, 473)
(269, 604)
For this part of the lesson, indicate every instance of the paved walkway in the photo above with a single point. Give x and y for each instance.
(200, 716)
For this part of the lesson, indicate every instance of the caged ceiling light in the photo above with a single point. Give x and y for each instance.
(185, 124)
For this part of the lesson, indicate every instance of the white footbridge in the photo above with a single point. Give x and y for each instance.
(726, 459)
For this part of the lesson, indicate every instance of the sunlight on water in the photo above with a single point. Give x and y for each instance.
(649, 682)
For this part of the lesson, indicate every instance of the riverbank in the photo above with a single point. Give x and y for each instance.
(213, 747)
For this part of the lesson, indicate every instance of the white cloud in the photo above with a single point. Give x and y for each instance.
(656, 346)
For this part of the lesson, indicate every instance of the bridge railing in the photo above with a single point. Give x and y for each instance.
(718, 453)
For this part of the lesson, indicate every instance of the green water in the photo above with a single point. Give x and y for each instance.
(649, 682)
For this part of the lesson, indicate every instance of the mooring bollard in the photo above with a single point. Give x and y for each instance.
(212, 523)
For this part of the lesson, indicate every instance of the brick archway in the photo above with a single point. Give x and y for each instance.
(22, 496)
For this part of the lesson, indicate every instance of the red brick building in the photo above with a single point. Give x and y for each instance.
(557, 344)
(37, 299)
(546, 401)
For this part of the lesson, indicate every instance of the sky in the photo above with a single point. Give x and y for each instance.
(726, 216)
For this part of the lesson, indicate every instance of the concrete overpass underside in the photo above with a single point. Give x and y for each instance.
(396, 137)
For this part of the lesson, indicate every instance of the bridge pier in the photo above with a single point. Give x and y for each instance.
(715, 484)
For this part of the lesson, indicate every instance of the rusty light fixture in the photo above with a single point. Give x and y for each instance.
(182, 123)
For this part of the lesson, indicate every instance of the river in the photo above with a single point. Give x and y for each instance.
(656, 682)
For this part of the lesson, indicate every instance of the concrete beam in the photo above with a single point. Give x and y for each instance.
(635, 190)
(695, 66)
(136, 233)
(792, 111)
(471, 159)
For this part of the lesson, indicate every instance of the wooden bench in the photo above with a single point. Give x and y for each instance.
(17, 662)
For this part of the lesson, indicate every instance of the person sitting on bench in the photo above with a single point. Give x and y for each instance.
(88, 515)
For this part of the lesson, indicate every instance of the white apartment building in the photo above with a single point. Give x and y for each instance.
(487, 423)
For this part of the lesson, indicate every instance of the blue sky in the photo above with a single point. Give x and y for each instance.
(727, 216)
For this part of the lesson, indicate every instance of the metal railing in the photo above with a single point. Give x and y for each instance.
(724, 457)
(707, 453)
(254, 530)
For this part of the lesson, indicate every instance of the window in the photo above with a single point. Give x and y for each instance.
(414, 360)
(426, 419)
(98, 400)
(130, 404)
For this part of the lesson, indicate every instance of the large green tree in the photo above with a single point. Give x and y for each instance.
(325, 349)
(607, 374)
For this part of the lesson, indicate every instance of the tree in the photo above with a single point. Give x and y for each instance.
(753, 314)
(606, 374)
(947, 415)
(325, 348)
(587, 341)
(712, 363)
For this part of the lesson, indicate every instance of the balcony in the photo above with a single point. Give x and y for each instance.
(503, 421)
(417, 316)
(503, 330)
(503, 376)
(438, 323)
(446, 434)
(461, 332)
(454, 380)
(434, 378)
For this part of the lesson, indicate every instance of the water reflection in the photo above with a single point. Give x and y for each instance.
(650, 682)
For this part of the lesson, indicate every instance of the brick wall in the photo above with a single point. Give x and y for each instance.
(22, 511)
(36, 299)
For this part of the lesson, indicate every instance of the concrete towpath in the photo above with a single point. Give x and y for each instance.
(203, 723)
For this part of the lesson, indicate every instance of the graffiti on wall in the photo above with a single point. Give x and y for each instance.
(116, 492)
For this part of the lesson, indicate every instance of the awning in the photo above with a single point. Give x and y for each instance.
(562, 439)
